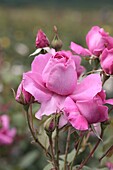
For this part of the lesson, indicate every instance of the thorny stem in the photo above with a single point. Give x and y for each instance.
(33, 134)
(52, 152)
(92, 152)
(77, 151)
(67, 148)
(106, 153)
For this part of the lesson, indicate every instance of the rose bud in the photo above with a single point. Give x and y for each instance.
(50, 125)
(56, 42)
(22, 96)
(41, 40)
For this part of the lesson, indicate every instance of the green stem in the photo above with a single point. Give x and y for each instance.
(33, 134)
(67, 148)
(92, 152)
(57, 141)
(77, 151)
(31, 117)
(52, 152)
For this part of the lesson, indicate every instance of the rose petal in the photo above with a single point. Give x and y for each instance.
(34, 85)
(62, 80)
(79, 68)
(88, 88)
(74, 116)
(77, 49)
(92, 111)
(50, 107)
(40, 62)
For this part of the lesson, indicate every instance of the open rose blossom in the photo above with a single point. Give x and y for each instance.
(41, 40)
(53, 82)
(97, 40)
(6, 134)
(52, 77)
(106, 61)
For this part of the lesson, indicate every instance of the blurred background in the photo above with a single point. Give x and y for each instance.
(19, 22)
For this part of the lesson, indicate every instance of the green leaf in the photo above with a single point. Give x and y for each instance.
(28, 159)
(41, 133)
(70, 156)
(48, 167)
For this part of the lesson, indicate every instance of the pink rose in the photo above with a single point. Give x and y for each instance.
(106, 61)
(41, 40)
(86, 106)
(109, 165)
(52, 77)
(97, 40)
(22, 96)
(52, 82)
(6, 134)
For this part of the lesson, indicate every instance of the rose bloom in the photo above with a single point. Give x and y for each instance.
(53, 82)
(109, 165)
(97, 40)
(106, 61)
(41, 40)
(52, 77)
(6, 134)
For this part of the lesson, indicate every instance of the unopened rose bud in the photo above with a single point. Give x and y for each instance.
(56, 42)
(41, 40)
(50, 125)
(22, 96)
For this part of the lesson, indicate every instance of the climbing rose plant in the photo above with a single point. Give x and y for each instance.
(70, 100)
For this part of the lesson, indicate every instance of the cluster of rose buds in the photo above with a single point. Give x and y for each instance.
(6, 134)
